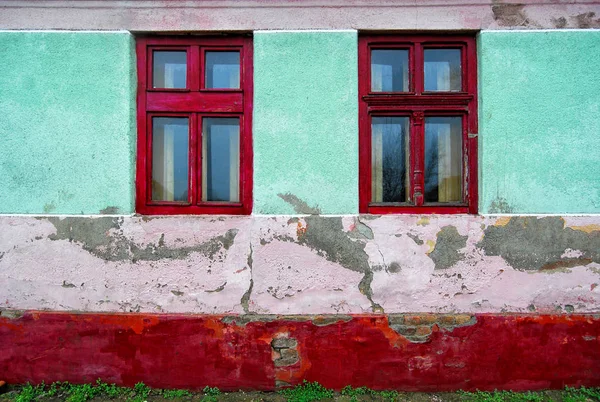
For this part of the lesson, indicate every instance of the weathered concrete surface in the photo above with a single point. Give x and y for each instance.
(301, 265)
(67, 132)
(227, 15)
(538, 122)
(422, 352)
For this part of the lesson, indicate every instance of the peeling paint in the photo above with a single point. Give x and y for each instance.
(104, 238)
(587, 20)
(446, 251)
(510, 14)
(531, 243)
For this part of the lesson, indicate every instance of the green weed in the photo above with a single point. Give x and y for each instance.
(307, 392)
(210, 394)
(356, 393)
(175, 393)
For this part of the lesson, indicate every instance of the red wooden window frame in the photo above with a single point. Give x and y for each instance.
(418, 104)
(195, 103)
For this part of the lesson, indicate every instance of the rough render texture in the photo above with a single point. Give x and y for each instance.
(539, 127)
(301, 265)
(517, 352)
(68, 131)
(220, 15)
(305, 122)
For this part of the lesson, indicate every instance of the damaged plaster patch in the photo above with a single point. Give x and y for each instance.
(529, 243)
(415, 238)
(446, 251)
(586, 20)
(327, 237)
(104, 238)
(300, 206)
(510, 14)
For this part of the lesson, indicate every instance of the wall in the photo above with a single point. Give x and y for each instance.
(538, 122)
(68, 131)
(251, 15)
(267, 300)
(305, 122)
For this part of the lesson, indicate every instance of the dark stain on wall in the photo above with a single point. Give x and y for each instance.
(104, 238)
(110, 211)
(530, 243)
(500, 206)
(449, 241)
(300, 206)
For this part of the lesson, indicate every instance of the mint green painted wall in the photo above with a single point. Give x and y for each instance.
(305, 122)
(67, 131)
(539, 121)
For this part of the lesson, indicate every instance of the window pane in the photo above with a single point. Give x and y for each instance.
(443, 159)
(222, 70)
(221, 159)
(442, 70)
(389, 71)
(170, 158)
(389, 159)
(169, 69)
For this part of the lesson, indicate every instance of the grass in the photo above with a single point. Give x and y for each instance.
(305, 392)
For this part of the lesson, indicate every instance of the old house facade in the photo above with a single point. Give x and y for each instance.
(246, 194)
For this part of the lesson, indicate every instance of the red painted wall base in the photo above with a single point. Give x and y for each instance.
(409, 352)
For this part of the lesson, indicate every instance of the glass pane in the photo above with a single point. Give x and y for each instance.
(442, 70)
(169, 70)
(443, 159)
(389, 70)
(221, 159)
(389, 159)
(170, 158)
(222, 70)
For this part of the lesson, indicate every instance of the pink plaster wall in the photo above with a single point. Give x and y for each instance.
(286, 265)
(248, 15)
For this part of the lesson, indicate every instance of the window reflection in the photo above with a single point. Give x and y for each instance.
(443, 159)
(442, 70)
(169, 69)
(170, 158)
(221, 159)
(389, 159)
(389, 70)
(222, 70)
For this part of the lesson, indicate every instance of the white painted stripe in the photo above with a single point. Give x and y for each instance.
(116, 31)
(303, 30)
(543, 30)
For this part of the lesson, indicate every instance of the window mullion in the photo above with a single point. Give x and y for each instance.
(417, 68)
(195, 69)
(418, 163)
(193, 162)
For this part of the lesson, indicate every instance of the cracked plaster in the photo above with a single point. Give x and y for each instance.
(305, 265)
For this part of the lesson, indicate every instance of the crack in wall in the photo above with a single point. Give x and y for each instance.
(245, 301)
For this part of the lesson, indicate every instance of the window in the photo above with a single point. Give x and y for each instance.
(418, 124)
(194, 125)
